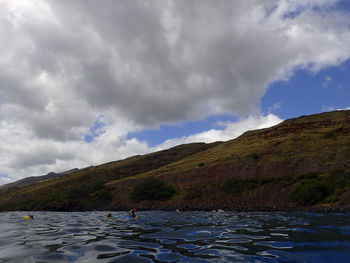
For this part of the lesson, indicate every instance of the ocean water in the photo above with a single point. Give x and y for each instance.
(157, 236)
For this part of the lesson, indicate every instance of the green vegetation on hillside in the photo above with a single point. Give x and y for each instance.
(235, 186)
(83, 196)
(88, 188)
(312, 188)
(307, 189)
(310, 192)
(152, 189)
(312, 146)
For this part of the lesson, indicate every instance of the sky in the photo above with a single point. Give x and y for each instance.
(86, 82)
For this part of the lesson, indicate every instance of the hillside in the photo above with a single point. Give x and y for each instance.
(35, 179)
(85, 188)
(302, 163)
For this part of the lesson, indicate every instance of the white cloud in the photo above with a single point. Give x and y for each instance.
(327, 82)
(23, 154)
(142, 63)
(230, 130)
(275, 106)
(4, 179)
(328, 108)
(333, 108)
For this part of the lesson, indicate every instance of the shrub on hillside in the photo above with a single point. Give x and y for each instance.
(193, 194)
(201, 164)
(152, 189)
(265, 180)
(310, 192)
(104, 196)
(97, 185)
(310, 175)
(255, 156)
(236, 186)
(78, 191)
(330, 135)
(339, 179)
(233, 186)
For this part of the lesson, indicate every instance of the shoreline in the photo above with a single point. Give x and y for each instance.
(247, 210)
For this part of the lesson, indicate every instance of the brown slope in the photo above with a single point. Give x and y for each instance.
(310, 144)
(35, 179)
(318, 143)
(72, 192)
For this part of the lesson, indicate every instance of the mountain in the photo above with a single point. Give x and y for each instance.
(35, 179)
(301, 163)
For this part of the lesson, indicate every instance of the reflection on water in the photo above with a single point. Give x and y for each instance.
(157, 236)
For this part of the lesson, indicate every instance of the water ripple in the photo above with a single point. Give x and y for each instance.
(157, 236)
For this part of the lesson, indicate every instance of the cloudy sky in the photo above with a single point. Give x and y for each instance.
(83, 82)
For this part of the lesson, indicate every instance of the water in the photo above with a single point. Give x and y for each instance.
(157, 236)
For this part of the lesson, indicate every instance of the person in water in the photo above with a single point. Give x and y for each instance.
(29, 216)
(132, 212)
(109, 215)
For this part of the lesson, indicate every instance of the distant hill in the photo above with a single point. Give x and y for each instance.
(301, 163)
(35, 179)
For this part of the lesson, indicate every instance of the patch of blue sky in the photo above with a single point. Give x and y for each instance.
(95, 131)
(343, 5)
(340, 6)
(164, 132)
(293, 14)
(306, 93)
(4, 178)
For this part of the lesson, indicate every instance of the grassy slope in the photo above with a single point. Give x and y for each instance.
(317, 143)
(324, 138)
(80, 190)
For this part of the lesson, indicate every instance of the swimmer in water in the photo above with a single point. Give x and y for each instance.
(132, 212)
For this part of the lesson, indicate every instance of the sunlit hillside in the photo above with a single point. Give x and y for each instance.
(301, 163)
